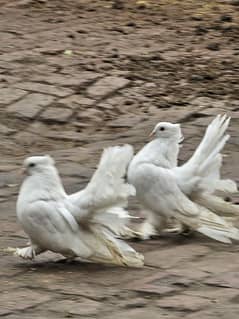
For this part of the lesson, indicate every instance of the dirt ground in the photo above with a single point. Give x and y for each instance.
(77, 76)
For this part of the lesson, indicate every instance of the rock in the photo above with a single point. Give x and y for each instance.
(166, 258)
(56, 114)
(158, 284)
(204, 101)
(200, 30)
(8, 79)
(226, 18)
(30, 106)
(218, 311)
(70, 136)
(21, 299)
(150, 85)
(6, 130)
(90, 114)
(106, 86)
(77, 101)
(215, 294)
(135, 303)
(9, 95)
(128, 121)
(196, 77)
(80, 307)
(213, 46)
(118, 4)
(197, 17)
(138, 313)
(131, 24)
(27, 139)
(44, 88)
(142, 4)
(67, 79)
(234, 2)
(230, 280)
(184, 303)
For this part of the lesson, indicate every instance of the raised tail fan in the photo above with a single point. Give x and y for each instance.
(206, 159)
(107, 186)
(213, 141)
(102, 202)
(202, 171)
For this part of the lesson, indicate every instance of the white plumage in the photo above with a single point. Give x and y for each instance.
(185, 193)
(85, 224)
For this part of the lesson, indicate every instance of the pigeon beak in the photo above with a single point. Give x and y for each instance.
(181, 139)
(23, 171)
(152, 133)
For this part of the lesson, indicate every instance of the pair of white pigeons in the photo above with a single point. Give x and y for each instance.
(90, 223)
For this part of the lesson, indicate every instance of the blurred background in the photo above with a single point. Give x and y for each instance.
(78, 76)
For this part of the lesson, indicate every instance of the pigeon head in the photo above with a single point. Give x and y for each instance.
(167, 130)
(37, 164)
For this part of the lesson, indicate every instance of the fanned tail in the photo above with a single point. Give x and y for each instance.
(211, 225)
(217, 228)
(107, 186)
(205, 157)
(117, 220)
(213, 141)
(121, 253)
(203, 168)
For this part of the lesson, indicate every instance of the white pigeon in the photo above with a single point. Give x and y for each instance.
(184, 193)
(164, 153)
(85, 224)
(168, 158)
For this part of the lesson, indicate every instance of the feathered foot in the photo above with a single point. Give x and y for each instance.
(28, 252)
(25, 253)
(172, 226)
(147, 231)
(129, 233)
(179, 229)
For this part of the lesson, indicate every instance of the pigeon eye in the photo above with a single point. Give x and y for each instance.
(32, 164)
(162, 128)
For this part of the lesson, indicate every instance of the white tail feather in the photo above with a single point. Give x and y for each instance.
(107, 187)
(212, 140)
(203, 168)
(217, 205)
(214, 234)
(211, 144)
(120, 252)
(211, 225)
(116, 219)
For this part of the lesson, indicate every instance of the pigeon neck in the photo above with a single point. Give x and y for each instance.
(43, 186)
(162, 152)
